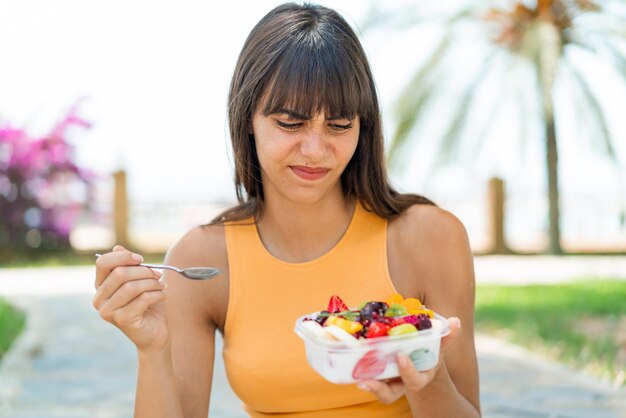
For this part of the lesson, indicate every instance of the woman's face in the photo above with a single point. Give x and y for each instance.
(302, 156)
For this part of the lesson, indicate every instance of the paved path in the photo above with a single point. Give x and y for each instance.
(70, 364)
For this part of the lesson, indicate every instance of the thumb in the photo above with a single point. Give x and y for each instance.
(454, 324)
(119, 248)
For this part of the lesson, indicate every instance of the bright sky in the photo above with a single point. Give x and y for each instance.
(156, 73)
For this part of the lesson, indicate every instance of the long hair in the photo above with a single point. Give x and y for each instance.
(306, 58)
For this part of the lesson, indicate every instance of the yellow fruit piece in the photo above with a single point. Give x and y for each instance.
(395, 298)
(349, 326)
(331, 320)
(412, 305)
(425, 311)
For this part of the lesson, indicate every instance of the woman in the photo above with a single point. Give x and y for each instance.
(316, 217)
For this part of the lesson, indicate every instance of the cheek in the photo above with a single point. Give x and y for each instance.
(261, 152)
(349, 150)
(270, 150)
(262, 142)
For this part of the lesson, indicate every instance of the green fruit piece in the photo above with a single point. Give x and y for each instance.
(350, 315)
(402, 329)
(396, 309)
(362, 305)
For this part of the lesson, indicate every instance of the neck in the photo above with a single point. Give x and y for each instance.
(298, 233)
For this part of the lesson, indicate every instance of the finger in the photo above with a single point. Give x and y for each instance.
(385, 392)
(127, 293)
(118, 257)
(137, 307)
(454, 324)
(413, 379)
(118, 277)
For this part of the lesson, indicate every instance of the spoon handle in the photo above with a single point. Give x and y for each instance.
(160, 267)
(153, 266)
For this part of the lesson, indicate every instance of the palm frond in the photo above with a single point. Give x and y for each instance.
(509, 89)
(603, 24)
(596, 111)
(602, 45)
(617, 56)
(417, 95)
(527, 112)
(451, 138)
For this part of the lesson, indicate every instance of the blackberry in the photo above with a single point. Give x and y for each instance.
(423, 322)
(321, 317)
(373, 309)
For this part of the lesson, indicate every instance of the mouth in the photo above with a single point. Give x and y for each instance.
(309, 173)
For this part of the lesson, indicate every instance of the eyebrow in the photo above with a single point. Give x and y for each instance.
(295, 115)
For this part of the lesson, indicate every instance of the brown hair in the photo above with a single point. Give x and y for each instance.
(306, 58)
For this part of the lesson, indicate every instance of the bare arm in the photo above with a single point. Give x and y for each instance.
(435, 258)
(177, 381)
(454, 388)
(173, 328)
(133, 299)
(156, 395)
(191, 313)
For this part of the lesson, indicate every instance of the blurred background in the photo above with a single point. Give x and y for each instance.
(508, 113)
(471, 91)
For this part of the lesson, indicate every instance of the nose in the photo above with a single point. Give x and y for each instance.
(313, 144)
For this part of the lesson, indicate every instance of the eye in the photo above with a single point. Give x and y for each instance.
(338, 127)
(288, 126)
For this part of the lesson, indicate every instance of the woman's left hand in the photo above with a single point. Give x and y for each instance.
(410, 380)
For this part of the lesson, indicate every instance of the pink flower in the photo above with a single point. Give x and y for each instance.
(40, 174)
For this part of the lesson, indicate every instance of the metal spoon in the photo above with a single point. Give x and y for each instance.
(193, 273)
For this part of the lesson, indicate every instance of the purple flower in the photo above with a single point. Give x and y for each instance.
(38, 175)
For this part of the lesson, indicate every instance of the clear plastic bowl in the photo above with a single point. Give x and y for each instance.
(371, 358)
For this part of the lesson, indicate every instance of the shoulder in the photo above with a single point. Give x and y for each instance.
(204, 244)
(200, 246)
(430, 248)
(428, 223)
(437, 264)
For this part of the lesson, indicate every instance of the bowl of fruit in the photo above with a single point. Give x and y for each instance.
(348, 345)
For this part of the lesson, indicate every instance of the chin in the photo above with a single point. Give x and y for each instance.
(307, 197)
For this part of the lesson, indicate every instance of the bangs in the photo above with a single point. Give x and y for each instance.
(314, 75)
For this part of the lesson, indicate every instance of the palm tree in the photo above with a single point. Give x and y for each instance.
(544, 37)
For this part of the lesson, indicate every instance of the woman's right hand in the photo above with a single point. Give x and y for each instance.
(132, 298)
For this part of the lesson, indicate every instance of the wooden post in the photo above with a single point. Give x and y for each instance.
(120, 209)
(496, 217)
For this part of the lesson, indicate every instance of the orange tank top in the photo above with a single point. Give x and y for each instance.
(265, 360)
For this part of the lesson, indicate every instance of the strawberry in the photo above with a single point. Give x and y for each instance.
(377, 329)
(396, 321)
(399, 320)
(335, 304)
(370, 366)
